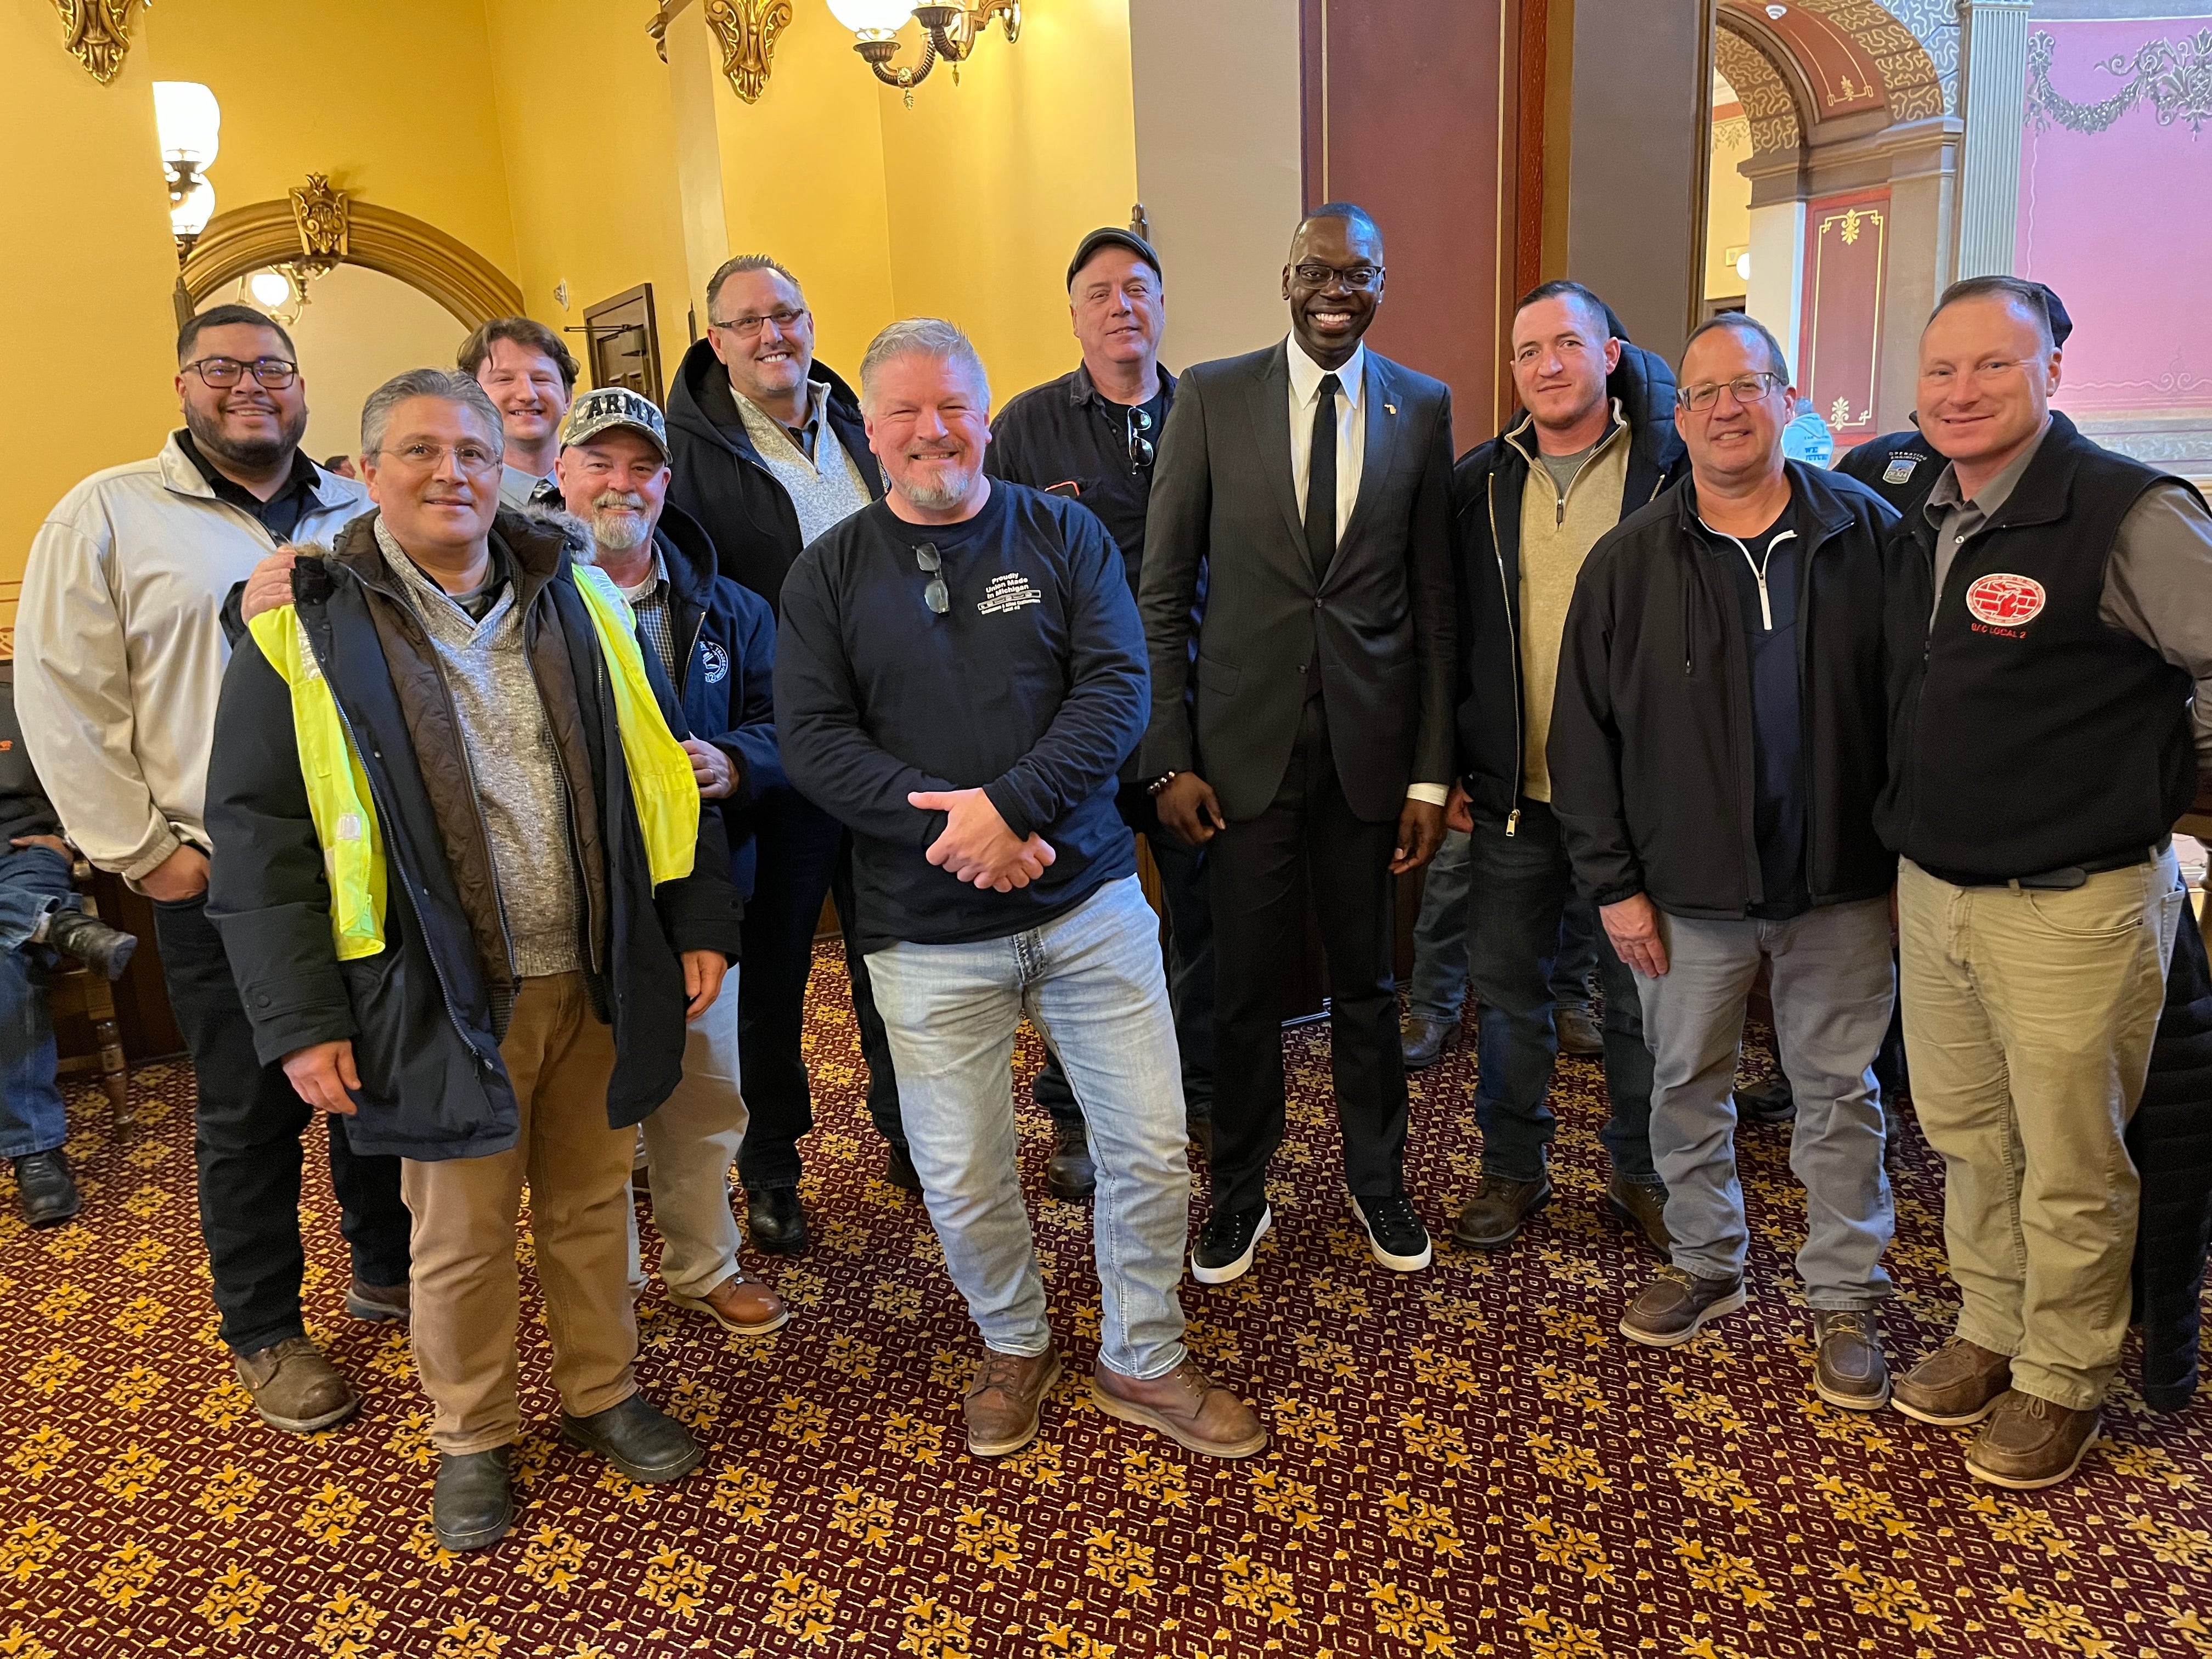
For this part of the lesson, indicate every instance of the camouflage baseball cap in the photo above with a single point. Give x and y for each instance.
(606, 407)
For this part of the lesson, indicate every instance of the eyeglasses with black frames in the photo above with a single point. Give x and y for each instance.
(747, 325)
(935, 595)
(1312, 274)
(1141, 447)
(273, 373)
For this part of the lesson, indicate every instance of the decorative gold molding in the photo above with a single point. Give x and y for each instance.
(264, 234)
(99, 34)
(321, 215)
(747, 30)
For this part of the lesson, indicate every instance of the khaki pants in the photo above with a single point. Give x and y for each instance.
(465, 1279)
(690, 1144)
(2028, 1022)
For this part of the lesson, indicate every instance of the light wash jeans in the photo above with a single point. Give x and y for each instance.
(1091, 982)
(1832, 985)
(690, 1142)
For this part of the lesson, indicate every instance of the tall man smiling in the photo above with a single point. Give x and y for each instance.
(1311, 481)
(960, 676)
(530, 376)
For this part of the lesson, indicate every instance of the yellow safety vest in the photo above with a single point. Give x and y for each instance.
(662, 786)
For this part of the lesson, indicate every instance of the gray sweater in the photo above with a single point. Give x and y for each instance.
(511, 757)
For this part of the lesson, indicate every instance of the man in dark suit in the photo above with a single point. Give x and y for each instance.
(1312, 481)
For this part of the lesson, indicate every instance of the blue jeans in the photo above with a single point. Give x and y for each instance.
(1091, 982)
(34, 881)
(1513, 947)
(1438, 989)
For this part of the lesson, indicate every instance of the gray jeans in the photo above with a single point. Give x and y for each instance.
(1832, 984)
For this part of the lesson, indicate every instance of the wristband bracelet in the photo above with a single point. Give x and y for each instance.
(1161, 782)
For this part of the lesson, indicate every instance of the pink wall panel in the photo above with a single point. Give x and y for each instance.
(2118, 222)
(1846, 241)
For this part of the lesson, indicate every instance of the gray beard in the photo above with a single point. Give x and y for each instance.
(620, 532)
(955, 489)
(259, 455)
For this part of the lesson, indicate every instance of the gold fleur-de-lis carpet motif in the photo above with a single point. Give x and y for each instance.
(1466, 1461)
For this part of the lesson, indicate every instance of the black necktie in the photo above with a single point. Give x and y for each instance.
(545, 493)
(1320, 480)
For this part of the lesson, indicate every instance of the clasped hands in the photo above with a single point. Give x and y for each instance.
(976, 846)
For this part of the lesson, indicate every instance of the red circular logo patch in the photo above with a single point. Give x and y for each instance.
(2005, 601)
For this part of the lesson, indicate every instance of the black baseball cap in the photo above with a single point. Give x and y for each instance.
(1112, 236)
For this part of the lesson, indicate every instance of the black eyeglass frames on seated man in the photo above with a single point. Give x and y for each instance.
(935, 596)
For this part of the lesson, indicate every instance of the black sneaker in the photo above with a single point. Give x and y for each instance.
(1225, 1244)
(1394, 1232)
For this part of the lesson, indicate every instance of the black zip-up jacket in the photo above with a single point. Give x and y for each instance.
(726, 676)
(1650, 749)
(24, 808)
(419, 1012)
(721, 481)
(1900, 467)
(1487, 482)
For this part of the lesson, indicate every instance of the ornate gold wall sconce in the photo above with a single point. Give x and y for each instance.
(744, 30)
(97, 34)
(948, 32)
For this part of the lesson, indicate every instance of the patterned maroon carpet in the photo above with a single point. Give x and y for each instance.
(1468, 1461)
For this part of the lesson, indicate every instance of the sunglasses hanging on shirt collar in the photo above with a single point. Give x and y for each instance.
(1140, 446)
(935, 596)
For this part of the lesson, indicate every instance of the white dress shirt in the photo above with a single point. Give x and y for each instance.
(1351, 426)
(1351, 457)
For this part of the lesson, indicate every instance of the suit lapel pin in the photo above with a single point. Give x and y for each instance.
(1390, 409)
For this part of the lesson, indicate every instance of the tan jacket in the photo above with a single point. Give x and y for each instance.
(119, 648)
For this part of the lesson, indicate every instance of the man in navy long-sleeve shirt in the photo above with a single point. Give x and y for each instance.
(960, 676)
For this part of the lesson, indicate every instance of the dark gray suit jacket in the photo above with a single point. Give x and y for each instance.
(1379, 627)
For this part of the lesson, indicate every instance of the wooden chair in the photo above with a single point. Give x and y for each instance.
(74, 988)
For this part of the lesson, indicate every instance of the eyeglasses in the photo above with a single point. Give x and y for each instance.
(935, 596)
(1140, 446)
(273, 373)
(1310, 275)
(748, 325)
(1745, 389)
(422, 456)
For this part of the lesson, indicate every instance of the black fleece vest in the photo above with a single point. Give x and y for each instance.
(2034, 736)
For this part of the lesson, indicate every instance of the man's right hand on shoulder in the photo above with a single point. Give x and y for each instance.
(271, 584)
(321, 1073)
(1190, 809)
(182, 875)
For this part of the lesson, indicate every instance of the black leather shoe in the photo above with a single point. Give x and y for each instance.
(777, 1221)
(1766, 1102)
(899, 1170)
(638, 1438)
(1226, 1242)
(470, 1506)
(1424, 1042)
(46, 1188)
(91, 941)
(1492, 1218)
(1071, 1175)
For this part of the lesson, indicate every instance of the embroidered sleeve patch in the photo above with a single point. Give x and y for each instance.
(1008, 592)
(2005, 601)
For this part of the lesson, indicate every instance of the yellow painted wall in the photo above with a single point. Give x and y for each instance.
(803, 178)
(394, 101)
(992, 182)
(593, 189)
(84, 163)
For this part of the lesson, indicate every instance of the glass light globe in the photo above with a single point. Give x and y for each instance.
(189, 123)
(189, 217)
(872, 16)
(1743, 267)
(270, 289)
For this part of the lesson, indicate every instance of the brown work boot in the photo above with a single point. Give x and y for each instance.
(2031, 1442)
(1001, 1404)
(741, 1303)
(1197, 1414)
(1423, 1041)
(1674, 1306)
(1492, 1218)
(1958, 1384)
(1071, 1174)
(1579, 1033)
(382, 1304)
(1641, 1206)
(294, 1388)
(1848, 1367)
